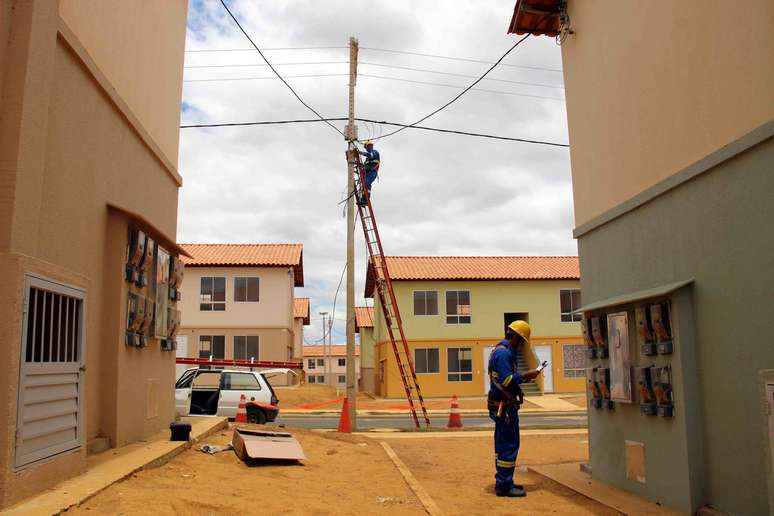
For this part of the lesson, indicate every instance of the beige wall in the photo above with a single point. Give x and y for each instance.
(69, 147)
(694, 93)
(140, 55)
(274, 308)
(298, 338)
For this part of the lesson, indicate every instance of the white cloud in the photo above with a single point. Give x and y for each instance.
(437, 194)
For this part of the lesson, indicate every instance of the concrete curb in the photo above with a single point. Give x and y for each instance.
(101, 474)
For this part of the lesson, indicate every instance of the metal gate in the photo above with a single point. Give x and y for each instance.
(50, 399)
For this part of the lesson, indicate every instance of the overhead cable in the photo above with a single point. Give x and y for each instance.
(226, 79)
(265, 49)
(463, 92)
(379, 122)
(395, 67)
(310, 108)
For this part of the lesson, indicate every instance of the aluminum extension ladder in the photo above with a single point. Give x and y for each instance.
(386, 293)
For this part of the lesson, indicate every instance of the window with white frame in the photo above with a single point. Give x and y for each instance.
(569, 301)
(321, 362)
(426, 360)
(457, 307)
(320, 378)
(310, 363)
(342, 362)
(573, 360)
(212, 294)
(425, 302)
(246, 347)
(460, 365)
(312, 379)
(342, 379)
(246, 290)
(212, 346)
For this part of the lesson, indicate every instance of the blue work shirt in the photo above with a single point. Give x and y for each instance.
(502, 368)
(372, 160)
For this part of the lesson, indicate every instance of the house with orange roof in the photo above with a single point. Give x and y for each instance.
(364, 326)
(238, 302)
(454, 311)
(328, 364)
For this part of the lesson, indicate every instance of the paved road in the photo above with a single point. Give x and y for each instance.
(405, 422)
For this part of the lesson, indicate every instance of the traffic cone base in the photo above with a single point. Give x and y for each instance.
(455, 419)
(344, 423)
(241, 415)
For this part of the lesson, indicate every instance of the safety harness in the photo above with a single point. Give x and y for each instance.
(511, 399)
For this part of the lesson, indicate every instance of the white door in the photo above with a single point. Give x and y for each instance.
(487, 352)
(233, 385)
(50, 398)
(183, 392)
(544, 355)
(182, 352)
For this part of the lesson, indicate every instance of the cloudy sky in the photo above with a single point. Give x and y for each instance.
(438, 194)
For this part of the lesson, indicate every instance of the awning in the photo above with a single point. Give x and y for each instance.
(634, 296)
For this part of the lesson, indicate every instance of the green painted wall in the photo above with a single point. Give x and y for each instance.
(366, 347)
(716, 229)
(489, 300)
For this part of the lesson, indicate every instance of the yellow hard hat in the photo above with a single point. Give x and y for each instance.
(520, 327)
(368, 142)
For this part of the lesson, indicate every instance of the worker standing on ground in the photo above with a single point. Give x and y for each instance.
(371, 167)
(505, 396)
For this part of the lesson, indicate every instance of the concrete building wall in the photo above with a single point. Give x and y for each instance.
(368, 361)
(332, 376)
(273, 310)
(650, 91)
(77, 170)
(298, 338)
(715, 230)
(146, 39)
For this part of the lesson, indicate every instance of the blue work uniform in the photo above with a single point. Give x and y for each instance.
(371, 167)
(503, 402)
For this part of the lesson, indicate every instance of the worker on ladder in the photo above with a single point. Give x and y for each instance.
(503, 402)
(371, 167)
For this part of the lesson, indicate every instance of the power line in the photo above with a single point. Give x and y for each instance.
(379, 122)
(390, 51)
(395, 67)
(310, 108)
(458, 87)
(510, 65)
(226, 79)
(265, 49)
(519, 42)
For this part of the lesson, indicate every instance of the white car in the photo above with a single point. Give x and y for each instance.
(216, 392)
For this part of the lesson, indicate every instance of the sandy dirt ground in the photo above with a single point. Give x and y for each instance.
(348, 475)
(317, 397)
(196, 483)
(459, 475)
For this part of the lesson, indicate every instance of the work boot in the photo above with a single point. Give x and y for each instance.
(514, 492)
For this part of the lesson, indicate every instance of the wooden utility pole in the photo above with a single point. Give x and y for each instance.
(351, 133)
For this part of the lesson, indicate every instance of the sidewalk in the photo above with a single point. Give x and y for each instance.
(546, 404)
(113, 465)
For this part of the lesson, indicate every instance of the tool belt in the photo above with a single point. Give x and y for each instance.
(499, 404)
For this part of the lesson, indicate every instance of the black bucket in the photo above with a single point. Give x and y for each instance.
(180, 431)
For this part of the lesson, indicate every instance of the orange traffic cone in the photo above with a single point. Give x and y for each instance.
(455, 419)
(344, 424)
(241, 415)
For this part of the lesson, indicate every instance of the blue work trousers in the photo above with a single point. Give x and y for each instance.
(370, 177)
(506, 443)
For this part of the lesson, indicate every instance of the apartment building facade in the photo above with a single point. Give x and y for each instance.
(455, 310)
(238, 302)
(328, 365)
(88, 167)
(671, 121)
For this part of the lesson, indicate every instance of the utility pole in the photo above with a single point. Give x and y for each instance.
(325, 367)
(351, 133)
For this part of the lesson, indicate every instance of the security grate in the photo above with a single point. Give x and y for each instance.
(50, 378)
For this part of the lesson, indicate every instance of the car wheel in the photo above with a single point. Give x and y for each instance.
(256, 416)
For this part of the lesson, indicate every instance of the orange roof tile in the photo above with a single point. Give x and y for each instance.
(539, 17)
(337, 350)
(477, 268)
(364, 317)
(301, 309)
(247, 255)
